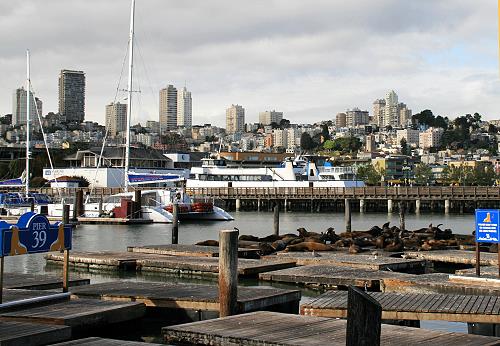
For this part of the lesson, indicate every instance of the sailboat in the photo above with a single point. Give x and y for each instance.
(156, 204)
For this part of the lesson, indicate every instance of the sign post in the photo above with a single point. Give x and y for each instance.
(487, 231)
(33, 233)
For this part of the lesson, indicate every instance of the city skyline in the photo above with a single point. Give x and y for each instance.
(307, 61)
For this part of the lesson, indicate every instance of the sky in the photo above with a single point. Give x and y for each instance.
(310, 59)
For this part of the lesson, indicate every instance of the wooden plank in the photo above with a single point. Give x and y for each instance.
(187, 296)
(39, 281)
(288, 329)
(95, 341)
(20, 334)
(189, 250)
(454, 256)
(80, 314)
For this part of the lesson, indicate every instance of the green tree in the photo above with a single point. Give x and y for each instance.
(328, 144)
(369, 175)
(306, 142)
(423, 174)
(405, 150)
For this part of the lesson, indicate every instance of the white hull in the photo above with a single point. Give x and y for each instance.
(193, 183)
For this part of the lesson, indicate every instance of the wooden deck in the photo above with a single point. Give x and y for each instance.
(368, 261)
(189, 250)
(397, 306)
(94, 341)
(486, 271)
(188, 297)
(267, 328)
(22, 334)
(79, 314)
(39, 281)
(137, 261)
(455, 257)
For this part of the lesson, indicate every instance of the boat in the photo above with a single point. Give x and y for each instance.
(299, 172)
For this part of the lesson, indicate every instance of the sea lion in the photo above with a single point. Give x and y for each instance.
(58, 244)
(265, 249)
(279, 245)
(208, 243)
(309, 246)
(16, 247)
(354, 249)
(248, 237)
(270, 238)
(396, 245)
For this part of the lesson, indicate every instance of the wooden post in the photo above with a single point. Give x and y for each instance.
(138, 205)
(65, 218)
(276, 218)
(347, 216)
(66, 271)
(1, 279)
(364, 318)
(175, 223)
(401, 207)
(478, 259)
(79, 203)
(228, 272)
(498, 246)
(32, 204)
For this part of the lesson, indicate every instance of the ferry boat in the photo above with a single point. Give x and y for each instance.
(299, 172)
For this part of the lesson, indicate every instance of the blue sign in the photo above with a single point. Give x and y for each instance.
(487, 230)
(33, 233)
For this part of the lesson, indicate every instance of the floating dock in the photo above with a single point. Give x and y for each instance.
(268, 328)
(94, 341)
(189, 250)
(368, 261)
(137, 261)
(455, 257)
(33, 334)
(182, 298)
(398, 306)
(39, 281)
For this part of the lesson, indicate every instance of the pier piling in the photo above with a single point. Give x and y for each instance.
(402, 210)
(228, 272)
(138, 204)
(276, 218)
(65, 214)
(364, 318)
(347, 216)
(175, 223)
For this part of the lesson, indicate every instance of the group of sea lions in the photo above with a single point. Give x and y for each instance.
(390, 239)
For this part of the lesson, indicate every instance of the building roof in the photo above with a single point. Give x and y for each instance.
(113, 153)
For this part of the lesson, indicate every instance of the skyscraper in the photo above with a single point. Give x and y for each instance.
(378, 112)
(72, 95)
(19, 108)
(184, 108)
(235, 119)
(116, 118)
(391, 114)
(269, 117)
(168, 108)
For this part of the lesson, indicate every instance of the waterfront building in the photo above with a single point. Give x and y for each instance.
(184, 108)
(116, 118)
(235, 119)
(19, 108)
(340, 120)
(411, 136)
(168, 108)
(72, 95)
(431, 138)
(355, 117)
(269, 117)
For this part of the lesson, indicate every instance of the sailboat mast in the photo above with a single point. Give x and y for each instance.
(129, 99)
(28, 120)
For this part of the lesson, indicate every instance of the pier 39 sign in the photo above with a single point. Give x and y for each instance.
(33, 233)
(487, 222)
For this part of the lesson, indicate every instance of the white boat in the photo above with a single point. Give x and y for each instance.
(292, 173)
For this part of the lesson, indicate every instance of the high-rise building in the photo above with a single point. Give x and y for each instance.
(378, 112)
(269, 117)
(431, 138)
(235, 119)
(411, 136)
(184, 108)
(72, 95)
(391, 113)
(340, 120)
(370, 144)
(116, 118)
(280, 138)
(404, 115)
(168, 108)
(355, 117)
(19, 108)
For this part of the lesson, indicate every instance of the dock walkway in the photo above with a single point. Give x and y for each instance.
(34, 334)
(267, 328)
(455, 257)
(397, 306)
(189, 250)
(94, 341)
(39, 281)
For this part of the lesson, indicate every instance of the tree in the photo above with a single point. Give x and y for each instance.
(325, 132)
(329, 144)
(423, 174)
(405, 150)
(369, 175)
(306, 142)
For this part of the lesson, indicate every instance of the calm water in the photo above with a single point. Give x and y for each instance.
(117, 238)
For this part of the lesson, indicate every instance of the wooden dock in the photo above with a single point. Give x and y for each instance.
(94, 341)
(455, 257)
(268, 328)
(79, 314)
(398, 306)
(189, 250)
(112, 221)
(486, 271)
(368, 261)
(22, 334)
(39, 281)
(190, 297)
(137, 261)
